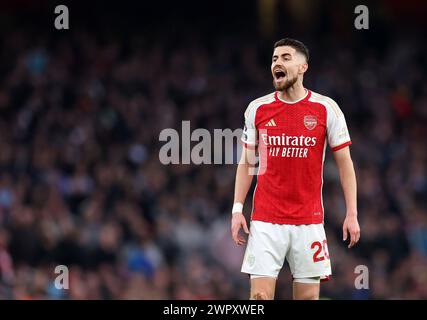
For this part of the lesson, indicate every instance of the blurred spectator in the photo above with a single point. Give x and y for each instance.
(81, 183)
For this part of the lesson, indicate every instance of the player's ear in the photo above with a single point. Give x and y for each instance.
(303, 67)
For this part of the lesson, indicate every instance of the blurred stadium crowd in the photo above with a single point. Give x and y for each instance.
(81, 183)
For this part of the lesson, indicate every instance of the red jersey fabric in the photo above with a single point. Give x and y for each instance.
(291, 140)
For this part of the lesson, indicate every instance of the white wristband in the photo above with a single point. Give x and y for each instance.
(237, 207)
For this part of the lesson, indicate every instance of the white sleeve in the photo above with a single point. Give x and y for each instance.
(249, 135)
(338, 135)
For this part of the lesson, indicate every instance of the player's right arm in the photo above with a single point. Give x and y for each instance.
(244, 176)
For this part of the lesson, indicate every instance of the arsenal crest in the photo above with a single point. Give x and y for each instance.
(310, 122)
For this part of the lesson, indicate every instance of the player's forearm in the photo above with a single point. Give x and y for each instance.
(349, 186)
(243, 182)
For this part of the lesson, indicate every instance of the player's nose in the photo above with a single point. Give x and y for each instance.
(277, 64)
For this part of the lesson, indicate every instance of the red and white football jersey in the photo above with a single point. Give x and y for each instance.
(291, 140)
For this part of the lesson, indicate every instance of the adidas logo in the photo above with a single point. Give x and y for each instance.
(271, 123)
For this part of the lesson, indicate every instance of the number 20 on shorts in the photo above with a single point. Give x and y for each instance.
(321, 252)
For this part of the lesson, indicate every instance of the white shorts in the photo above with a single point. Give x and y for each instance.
(304, 247)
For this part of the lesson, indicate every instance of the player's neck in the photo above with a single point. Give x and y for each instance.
(292, 94)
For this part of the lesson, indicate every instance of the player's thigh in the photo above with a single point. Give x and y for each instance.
(266, 249)
(263, 288)
(306, 291)
(308, 255)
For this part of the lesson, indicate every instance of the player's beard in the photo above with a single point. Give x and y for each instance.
(285, 85)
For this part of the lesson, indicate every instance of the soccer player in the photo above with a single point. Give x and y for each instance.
(289, 130)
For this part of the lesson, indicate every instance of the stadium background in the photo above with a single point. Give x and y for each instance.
(80, 115)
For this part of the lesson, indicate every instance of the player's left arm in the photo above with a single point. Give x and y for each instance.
(349, 186)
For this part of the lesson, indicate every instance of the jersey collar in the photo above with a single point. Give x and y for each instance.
(307, 96)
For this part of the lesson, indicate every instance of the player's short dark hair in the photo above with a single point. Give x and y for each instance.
(297, 45)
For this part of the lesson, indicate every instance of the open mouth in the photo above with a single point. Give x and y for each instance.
(279, 75)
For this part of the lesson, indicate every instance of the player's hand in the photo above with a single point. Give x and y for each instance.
(351, 226)
(238, 221)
